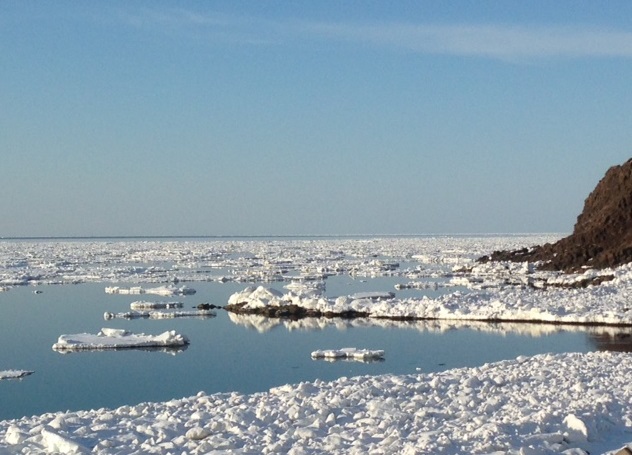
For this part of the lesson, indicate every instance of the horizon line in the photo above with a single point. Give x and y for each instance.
(87, 237)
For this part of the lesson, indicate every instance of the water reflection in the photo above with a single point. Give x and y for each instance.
(619, 339)
(345, 359)
(171, 350)
(603, 338)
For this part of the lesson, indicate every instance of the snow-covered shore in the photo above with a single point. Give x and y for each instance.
(567, 403)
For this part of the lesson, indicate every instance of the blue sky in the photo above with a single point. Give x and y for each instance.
(299, 118)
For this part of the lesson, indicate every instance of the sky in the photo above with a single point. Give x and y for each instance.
(308, 117)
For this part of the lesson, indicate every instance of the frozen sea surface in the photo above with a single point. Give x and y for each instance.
(520, 405)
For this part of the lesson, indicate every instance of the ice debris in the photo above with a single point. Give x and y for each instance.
(143, 305)
(160, 290)
(14, 374)
(157, 314)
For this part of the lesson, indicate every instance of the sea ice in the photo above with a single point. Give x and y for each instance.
(118, 339)
(566, 403)
(157, 314)
(372, 295)
(143, 305)
(543, 404)
(348, 353)
(14, 374)
(160, 290)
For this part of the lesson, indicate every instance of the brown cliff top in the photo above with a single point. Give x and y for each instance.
(602, 236)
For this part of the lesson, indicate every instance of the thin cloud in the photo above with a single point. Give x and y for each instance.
(491, 41)
(506, 42)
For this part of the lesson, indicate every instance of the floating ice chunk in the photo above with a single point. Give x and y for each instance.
(14, 374)
(372, 295)
(182, 314)
(118, 339)
(143, 305)
(160, 314)
(306, 288)
(349, 353)
(160, 290)
(118, 290)
(170, 290)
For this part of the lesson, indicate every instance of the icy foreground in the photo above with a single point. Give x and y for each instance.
(118, 339)
(568, 403)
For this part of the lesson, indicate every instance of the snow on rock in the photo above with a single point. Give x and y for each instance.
(118, 339)
(257, 297)
(348, 353)
(14, 374)
(607, 303)
(566, 403)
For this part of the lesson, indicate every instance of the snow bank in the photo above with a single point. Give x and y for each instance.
(118, 339)
(567, 403)
(14, 374)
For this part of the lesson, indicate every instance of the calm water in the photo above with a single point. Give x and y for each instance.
(223, 356)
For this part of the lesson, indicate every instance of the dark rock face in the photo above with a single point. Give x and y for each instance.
(292, 311)
(602, 236)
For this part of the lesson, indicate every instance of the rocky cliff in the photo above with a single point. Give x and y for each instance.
(602, 236)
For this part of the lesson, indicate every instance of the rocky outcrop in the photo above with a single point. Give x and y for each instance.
(293, 312)
(602, 236)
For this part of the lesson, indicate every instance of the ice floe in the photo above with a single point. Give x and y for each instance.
(157, 314)
(160, 290)
(567, 403)
(118, 339)
(143, 305)
(348, 353)
(372, 295)
(14, 374)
